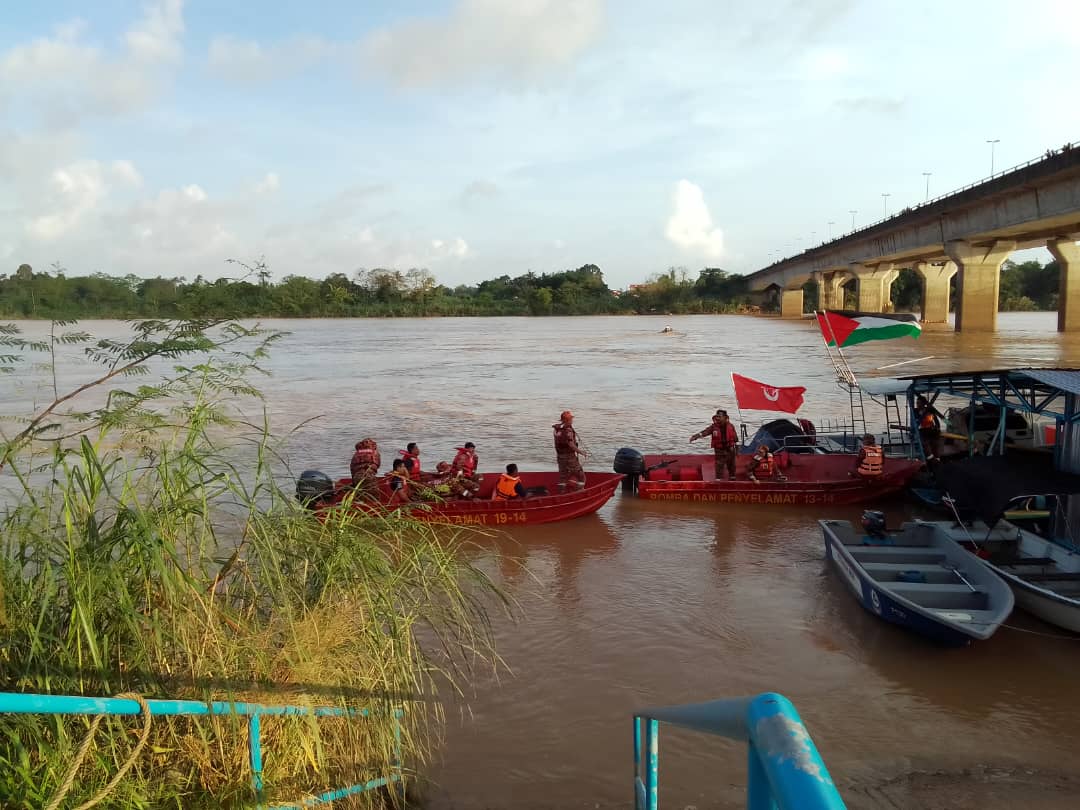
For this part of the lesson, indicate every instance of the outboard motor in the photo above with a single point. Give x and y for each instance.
(630, 463)
(313, 486)
(873, 524)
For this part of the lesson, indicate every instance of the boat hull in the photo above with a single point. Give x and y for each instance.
(948, 627)
(812, 480)
(484, 512)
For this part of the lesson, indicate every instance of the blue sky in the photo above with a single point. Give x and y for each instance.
(481, 137)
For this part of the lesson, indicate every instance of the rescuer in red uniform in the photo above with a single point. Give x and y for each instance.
(567, 453)
(725, 443)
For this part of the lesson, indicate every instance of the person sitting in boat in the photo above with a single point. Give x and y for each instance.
(365, 461)
(763, 464)
(509, 486)
(398, 482)
(870, 462)
(466, 460)
(725, 443)
(411, 456)
(929, 421)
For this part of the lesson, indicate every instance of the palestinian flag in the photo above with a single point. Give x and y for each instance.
(849, 328)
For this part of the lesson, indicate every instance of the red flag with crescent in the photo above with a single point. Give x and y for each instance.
(758, 396)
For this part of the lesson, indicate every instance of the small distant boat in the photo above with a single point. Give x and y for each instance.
(547, 506)
(920, 579)
(666, 330)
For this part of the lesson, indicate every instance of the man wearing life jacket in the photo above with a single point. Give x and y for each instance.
(509, 485)
(411, 456)
(398, 482)
(763, 465)
(927, 418)
(466, 460)
(870, 463)
(567, 453)
(725, 443)
(365, 461)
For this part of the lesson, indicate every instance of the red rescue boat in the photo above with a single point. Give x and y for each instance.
(810, 479)
(482, 511)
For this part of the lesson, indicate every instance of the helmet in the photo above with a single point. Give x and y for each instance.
(566, 415)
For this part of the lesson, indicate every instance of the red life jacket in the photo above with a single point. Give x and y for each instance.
(506, 488)
(723, 438)
(412, 463)
(365, 463)
(565, 438)
(765, 465)
(465, 460)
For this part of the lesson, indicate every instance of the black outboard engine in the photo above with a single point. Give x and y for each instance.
(312, 487)
(873, 524)
(630, 463)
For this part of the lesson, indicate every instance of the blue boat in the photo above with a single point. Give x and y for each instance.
(920, 579)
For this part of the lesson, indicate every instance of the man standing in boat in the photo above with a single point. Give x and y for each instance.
(725, 443)
(567, 451)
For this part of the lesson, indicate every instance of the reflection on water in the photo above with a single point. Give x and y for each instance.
(653, 603)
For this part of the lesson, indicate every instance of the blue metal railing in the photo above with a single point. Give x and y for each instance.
(785, 771)
(18, 703)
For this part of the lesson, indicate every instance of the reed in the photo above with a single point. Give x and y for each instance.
(153, 545)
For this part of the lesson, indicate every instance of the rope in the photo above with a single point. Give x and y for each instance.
(1060, 636)
(84, 749)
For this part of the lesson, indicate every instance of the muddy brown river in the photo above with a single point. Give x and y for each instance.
(655, 603)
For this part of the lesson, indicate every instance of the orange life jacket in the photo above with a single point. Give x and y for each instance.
(873, 461)
(565, 438)
(765, 465)
(506, 488)
(928, 421)
(365, 463)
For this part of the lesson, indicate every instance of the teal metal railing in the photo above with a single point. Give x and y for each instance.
(18, 703)
(785, 771)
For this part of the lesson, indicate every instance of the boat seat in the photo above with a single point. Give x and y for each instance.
(1058, 576)
(1011, 561)
(931, 586)
(898, 566)
(888, 551)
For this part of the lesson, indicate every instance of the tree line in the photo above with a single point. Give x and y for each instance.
(367, 293)
(250, 292)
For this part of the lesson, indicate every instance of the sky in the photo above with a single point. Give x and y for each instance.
(481, 137)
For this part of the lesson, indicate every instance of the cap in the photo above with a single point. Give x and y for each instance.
(566, 415)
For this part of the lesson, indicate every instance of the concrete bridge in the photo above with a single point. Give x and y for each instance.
(968, 233)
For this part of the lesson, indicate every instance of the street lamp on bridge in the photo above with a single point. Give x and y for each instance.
(853, 213)
(831, 223)
(885, 203)
(927, 176)
(992, 144)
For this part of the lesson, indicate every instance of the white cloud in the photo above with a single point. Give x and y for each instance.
(269, 184)
(518, 42)
(825, 63)
(65, 78)
(245, 61)
(690, 225)
(75, 192)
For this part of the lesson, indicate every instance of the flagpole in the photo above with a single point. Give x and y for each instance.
(844, 368)
(742, 425)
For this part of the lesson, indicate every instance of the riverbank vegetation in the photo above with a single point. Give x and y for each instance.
(370, 293)
(250, 293)
(150, 543)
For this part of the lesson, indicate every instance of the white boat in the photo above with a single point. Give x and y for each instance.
(1044, 575)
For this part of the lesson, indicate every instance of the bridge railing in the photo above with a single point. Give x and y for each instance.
(19, 703)
(785, 771)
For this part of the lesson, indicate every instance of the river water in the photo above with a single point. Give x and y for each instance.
(654, 603)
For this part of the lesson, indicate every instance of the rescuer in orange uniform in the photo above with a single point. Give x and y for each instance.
(725, 443)
(567, 452)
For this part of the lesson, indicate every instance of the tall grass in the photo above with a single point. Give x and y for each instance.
(159, 550)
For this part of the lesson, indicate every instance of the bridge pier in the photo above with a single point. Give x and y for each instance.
(935, 290)
(833, 297)
(978, 282)
(1067, 253)
(874, 285)
(791, 303)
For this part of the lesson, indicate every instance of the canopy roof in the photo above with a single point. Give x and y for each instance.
(1046, 391)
